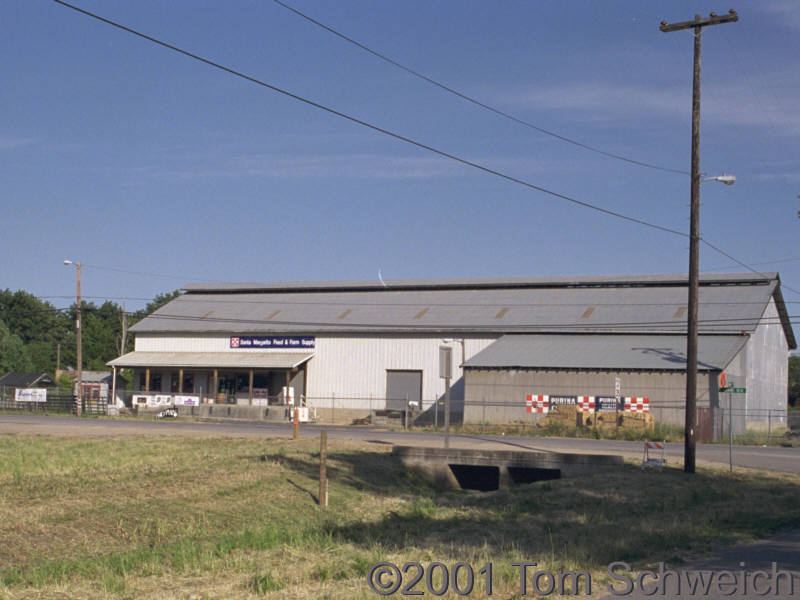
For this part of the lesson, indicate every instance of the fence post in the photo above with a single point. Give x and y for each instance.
(730, 428)
(769, 426)
(323, 469)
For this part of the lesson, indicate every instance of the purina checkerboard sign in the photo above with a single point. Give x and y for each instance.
(263, 341)
(542, 403)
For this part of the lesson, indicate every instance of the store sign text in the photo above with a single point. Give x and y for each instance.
(283, 342)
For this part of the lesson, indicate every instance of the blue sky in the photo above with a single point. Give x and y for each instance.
(156, 170)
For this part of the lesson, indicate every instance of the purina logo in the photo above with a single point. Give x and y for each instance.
(234, 342)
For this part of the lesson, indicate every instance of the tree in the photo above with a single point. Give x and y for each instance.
(794, 380)
(13, 356)
(157, 302)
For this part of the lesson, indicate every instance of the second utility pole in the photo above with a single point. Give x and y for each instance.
(690, 445)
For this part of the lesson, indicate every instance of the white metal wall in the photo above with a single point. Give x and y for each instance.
(356, 366)
(768, 364)
(152, 342)
(346, 366)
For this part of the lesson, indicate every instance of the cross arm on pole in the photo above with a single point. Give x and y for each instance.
(712, 19)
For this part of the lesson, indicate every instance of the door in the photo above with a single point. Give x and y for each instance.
(403, 387)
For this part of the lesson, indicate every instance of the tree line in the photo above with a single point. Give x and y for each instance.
(35, 336)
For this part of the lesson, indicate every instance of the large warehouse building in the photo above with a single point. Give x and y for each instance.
(360, 346)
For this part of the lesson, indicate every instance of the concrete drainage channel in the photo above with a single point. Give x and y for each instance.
(488, 470)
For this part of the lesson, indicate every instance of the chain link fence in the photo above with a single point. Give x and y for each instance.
(53, 400)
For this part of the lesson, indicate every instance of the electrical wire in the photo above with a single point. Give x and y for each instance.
(472, 100)
(400, 137)
(680, 326)
(746, 266)
(178, 277)
(382, 130)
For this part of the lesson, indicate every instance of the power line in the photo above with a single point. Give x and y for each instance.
(400, 137)
(382, 130)
(180, 277)
(746, 266)
(768, 262)
(472, 100)
(667, 325)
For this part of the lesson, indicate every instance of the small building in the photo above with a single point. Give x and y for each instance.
(16, 379)
(96, 385)
(353, 347)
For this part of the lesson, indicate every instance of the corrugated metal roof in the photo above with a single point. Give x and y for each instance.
(475, 282)
(728, 304)
(642, 352)
(221, 360)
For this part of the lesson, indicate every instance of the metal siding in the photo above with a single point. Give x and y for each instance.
(355, 367)
(503, 391)
(767, 367)
(161, 342)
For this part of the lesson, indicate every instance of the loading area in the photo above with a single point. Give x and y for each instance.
(487, 470)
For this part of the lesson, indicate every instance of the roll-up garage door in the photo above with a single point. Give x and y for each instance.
(403, 387)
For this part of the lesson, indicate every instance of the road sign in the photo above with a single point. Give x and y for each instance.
(738, 390)
(445, 362)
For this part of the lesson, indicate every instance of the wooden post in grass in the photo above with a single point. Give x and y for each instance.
(323, 469)
(295, 423)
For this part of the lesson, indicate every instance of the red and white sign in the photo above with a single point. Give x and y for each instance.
(637, 405)
(586, 404)
(537, 403)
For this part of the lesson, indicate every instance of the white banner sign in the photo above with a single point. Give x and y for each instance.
(187, 400)
(30, 395)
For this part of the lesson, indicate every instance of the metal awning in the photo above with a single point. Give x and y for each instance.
(212, 360)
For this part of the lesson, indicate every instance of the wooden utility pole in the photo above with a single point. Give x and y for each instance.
(323, 469)
(690, 445)
(123, 340)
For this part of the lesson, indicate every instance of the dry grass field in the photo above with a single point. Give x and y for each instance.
(198, 518)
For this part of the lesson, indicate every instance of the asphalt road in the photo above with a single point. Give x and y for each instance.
(785, 460)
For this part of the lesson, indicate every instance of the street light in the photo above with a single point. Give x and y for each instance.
(726, 179)
(78, 404)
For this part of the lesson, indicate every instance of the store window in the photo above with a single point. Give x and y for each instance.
(155, 382)
(188, 383)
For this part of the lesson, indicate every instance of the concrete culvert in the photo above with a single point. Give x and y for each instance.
(521, 475)
(476, 477)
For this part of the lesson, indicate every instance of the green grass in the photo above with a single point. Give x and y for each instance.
(232, 518)
(661, 431)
